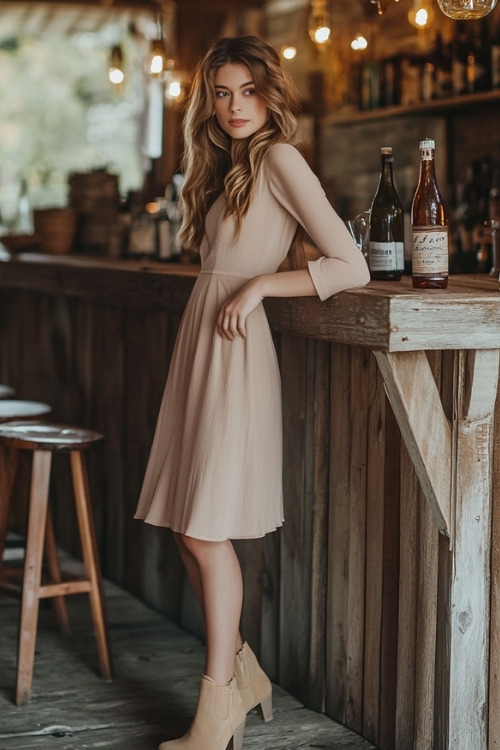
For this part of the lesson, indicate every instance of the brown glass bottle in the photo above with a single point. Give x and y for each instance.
(429, 226)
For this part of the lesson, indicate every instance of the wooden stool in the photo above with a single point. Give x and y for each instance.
(43, 439)
(10, 411)
(6, 391)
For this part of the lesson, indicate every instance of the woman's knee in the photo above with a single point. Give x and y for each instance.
(199, 548)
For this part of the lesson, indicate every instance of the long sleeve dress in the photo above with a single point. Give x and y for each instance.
(215, 468)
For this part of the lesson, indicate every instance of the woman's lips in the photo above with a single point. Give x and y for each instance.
(237, 123)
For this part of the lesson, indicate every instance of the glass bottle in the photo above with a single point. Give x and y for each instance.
(429, 226)
(386, 246)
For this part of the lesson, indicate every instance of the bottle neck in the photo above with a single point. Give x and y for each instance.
(386, 169)
(427, 166)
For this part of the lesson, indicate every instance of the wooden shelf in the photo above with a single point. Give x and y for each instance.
(440, 106)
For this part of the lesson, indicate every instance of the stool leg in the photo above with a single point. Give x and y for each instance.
(8, 468)
(59, 603)
(37, 514)
(91, 560)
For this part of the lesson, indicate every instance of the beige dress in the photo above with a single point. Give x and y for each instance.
(215, 467)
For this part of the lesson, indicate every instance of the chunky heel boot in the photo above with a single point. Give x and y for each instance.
(253, 684)
(219, 721)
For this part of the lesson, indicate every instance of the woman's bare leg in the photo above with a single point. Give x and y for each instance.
(214, 571)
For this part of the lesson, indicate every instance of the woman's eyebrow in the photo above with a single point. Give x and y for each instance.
(221, 85)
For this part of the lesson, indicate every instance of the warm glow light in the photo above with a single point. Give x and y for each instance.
(288, 52)
(322, 35)
(174, 90)
(421, 17)
(422, 14)
(156, 65)
(116, 76)
(359, 42)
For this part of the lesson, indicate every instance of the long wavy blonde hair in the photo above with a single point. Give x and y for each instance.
(213, 162)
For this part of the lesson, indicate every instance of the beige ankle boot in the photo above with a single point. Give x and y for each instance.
(218, 723)
(253, 684)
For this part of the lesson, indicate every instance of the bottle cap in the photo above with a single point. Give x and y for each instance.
(428, 143)
(386, 150)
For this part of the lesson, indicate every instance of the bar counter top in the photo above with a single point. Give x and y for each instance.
(388, 316)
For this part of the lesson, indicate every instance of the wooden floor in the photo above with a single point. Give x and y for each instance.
(157, 669)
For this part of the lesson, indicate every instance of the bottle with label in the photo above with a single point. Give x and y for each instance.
(386, 246)
(429, 226)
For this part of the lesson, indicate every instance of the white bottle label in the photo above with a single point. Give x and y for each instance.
(386, 256)
(429, 251)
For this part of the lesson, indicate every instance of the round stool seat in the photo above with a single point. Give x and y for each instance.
(11, 409)
(6, 391)
(47, 437)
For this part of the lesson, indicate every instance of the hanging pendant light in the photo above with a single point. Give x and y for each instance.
(319, 23)
(382, 5)
(466, 9)
(115, 72)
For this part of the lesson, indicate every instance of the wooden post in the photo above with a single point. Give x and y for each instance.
(475, 393)
(455, 463)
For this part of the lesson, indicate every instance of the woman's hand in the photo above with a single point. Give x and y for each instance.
(236, 309)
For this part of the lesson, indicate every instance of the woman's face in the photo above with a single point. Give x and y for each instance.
(239, 110)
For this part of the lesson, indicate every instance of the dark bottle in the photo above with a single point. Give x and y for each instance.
(495, 57)
(429, 226)
(443, 77)
(386, 248)
(459, 59)
(478, 69)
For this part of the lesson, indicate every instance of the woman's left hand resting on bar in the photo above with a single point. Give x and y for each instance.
(235, 311)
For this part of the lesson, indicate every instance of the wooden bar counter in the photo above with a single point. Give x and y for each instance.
(377, 602)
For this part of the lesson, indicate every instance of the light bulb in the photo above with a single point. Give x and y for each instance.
(288, 52)
(466, 9)
(422, 14)
(116, 76)
(359, 42)
(174, 90)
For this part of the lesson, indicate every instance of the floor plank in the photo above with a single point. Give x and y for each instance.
(152, 697)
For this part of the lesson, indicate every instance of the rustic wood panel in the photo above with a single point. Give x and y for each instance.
(356, 571)
(295, 583)
(390, 582)
(410, 497)
(374, 552)
(338, 532)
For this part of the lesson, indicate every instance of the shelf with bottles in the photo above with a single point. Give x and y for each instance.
(447, 73)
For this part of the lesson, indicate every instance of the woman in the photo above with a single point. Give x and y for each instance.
(214, 473)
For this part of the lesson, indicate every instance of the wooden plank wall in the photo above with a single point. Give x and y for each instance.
(345, 603)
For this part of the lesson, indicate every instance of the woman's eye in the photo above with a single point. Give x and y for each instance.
(220, 94)
(249, 92)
